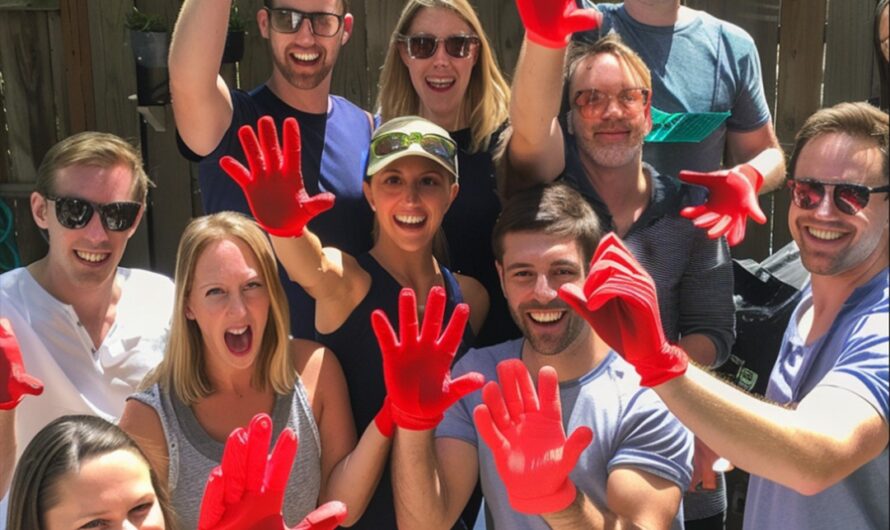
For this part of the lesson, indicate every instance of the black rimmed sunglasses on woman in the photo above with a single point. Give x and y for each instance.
(848, 198)
(74, 213)
(423, 46)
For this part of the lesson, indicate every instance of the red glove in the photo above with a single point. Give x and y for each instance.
(246, 491)
(620, 303)
(14, 381)
(274, 184)
(551, 23)
(732, 199)
(417, 369)
(524, 430)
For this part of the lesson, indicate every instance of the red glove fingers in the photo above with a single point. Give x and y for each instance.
(732, 199)
(273, 185)
(551, 23)
(524, 431)
(326, 517)
(14, 381)
(417, 368)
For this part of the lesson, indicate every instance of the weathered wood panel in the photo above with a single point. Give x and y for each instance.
(77, 65)
(380, 20)
(114, 69)
(849, 52)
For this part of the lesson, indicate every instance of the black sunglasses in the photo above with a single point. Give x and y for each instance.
(285, 20)
(848, 198)
(422, 46)
(76, 213)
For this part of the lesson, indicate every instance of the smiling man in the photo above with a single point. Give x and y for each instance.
(304, 40)
(87, 328)
(543, 239)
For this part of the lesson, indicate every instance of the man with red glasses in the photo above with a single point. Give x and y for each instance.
(87, 328)
(817, 451)
(304, 38)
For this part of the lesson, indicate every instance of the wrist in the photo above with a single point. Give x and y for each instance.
(752, 174)
(547, 42)
(671, 362)
(556, 501)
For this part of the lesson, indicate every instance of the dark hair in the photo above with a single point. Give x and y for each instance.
(859, 120)
(883, 65)
(58, 449)
(554, 209)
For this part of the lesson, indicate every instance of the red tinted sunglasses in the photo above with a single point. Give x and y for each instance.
(848, 198)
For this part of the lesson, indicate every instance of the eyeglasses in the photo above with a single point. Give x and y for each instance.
(591, 102)
(76, 213)
(322, 24)
(848, 198)
(422, 46)
(442, 148)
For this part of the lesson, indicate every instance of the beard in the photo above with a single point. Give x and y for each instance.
(613, 155)
(546, 342)
(300, 80)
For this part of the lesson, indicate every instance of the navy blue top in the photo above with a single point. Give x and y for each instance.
(355, 346)
(468, 225)
(334, 152)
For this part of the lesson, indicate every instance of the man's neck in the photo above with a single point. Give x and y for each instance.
(312, 101)
(584, 354)
(654, 12)
(625, 190)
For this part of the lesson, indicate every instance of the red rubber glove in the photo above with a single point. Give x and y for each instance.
(417, 369)
(551, 23)
(525, 433)
(732, 199)
(620, 303)
(14, 381)
(274, 184)
(246, 491)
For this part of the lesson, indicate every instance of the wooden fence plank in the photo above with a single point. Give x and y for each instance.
(849, 51)
(380, 20)
(78, 77)
(114, 69)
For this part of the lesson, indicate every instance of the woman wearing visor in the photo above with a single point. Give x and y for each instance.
(440, 65)
(411, 180)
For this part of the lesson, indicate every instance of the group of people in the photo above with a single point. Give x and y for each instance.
(478, 289)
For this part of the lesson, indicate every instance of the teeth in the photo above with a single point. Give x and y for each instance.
(828, 235)
(545, 316)
(305, 56)
(90, 256)
(411, 219)
(440, 82)
(237, 331)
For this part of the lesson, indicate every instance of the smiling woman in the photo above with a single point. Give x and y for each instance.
(77, 454)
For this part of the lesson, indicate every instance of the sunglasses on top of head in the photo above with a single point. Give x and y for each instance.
(285, 20)
(423, 46)
(807, 194)
(75, 213)
(442, 148)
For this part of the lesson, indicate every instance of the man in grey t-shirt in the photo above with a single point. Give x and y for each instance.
(543, 239)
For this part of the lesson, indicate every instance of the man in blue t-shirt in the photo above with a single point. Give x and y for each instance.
(304, 41)
(818, 451)
(543, 239)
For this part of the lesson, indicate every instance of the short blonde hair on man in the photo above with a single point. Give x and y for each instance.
(487, 100)
(183, 368)
(612, 44)
(92, 148)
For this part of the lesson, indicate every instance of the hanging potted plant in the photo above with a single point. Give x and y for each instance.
(150, 40)
(234, 50)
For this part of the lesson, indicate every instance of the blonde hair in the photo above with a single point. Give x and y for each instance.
(612, 44)
(183, 368)
(487, 93)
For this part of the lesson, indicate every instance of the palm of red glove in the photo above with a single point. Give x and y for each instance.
(417, 368)
(551, 23)
(525, 433)
(620, 303)
(14, 381)
(247, 490)
(274, 184)
(732, 199)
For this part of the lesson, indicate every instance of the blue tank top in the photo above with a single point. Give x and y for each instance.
(334, 152)
(356, 348)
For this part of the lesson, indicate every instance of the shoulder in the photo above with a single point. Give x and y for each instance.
(317, 366)
(147, 281)
(473, 291)
(485, 360)
(11, 284)
(140, 419)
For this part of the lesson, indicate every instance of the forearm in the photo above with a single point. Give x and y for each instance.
(700, 349)
(582, 514)
(419, 492)
(7, 449)
(198, 38)
(304, 259)
(354, 479)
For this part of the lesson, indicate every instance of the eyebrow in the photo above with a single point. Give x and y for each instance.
(557, 263)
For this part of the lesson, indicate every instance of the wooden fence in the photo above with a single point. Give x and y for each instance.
(66, 66)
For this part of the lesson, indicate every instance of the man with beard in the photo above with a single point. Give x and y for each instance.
(304, 39)
(543, 239)
(817, 451)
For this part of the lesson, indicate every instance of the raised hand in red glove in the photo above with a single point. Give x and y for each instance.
(551, 23)
(14, 381)
(274, 184)
(246, 491)
(620, 303)
(417, 367)
(732, 199)
(525, 434)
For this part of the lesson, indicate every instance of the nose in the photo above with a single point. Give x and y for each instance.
(612, 107)
(544, 292)
(826, 207)
(412, 193)
(304, 31)
(237, 305)
(94, 231)
(441, 56)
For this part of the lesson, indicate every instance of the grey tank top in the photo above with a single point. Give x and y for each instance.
(193, 453)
